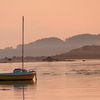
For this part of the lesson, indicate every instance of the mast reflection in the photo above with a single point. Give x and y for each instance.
(19, 86)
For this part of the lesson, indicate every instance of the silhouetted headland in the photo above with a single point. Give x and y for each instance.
(51, 46)
(83, 46)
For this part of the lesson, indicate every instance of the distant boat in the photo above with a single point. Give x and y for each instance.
(83, 60)
(19, 73)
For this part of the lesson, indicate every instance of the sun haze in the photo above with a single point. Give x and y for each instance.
(47, 18)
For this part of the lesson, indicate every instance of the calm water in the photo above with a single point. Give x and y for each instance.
(75, 80)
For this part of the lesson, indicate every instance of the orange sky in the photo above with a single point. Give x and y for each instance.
(46, 18)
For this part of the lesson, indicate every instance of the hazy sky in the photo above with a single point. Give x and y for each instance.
(46, 18)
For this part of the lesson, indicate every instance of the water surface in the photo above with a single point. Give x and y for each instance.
(76, 80)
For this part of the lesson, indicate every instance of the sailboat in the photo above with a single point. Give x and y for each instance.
(19, 73)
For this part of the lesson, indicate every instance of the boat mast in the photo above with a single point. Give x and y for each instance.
(22, 42)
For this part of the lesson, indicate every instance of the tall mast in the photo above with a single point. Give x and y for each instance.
(22, 42)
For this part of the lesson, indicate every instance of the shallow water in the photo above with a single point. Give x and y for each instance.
(76, 80)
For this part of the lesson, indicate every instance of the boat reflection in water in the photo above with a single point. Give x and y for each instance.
(18, 87)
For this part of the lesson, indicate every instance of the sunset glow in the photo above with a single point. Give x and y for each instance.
(47, 18)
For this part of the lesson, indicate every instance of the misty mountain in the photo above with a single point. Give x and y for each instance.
(85, 52)
(82, 40)
(51, 46)
(41, 47)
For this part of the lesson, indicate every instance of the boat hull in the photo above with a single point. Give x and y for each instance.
(16, 77)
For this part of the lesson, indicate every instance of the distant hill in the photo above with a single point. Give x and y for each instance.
(42, 47)
(86, 52)
(52, 46)
(82, 40)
